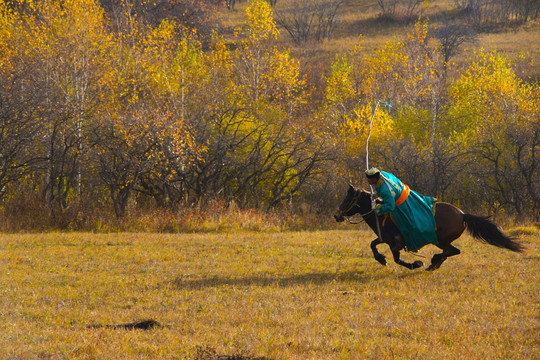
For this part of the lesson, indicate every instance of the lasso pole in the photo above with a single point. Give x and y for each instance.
(367, 166)
(370, 125)
(369, 135)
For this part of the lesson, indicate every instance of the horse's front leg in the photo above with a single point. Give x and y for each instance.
(414, 265)
(378, 256)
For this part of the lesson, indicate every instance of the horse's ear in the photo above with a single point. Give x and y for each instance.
(351, 187)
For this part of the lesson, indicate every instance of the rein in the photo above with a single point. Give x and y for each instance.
(353, 204)
(348, 218)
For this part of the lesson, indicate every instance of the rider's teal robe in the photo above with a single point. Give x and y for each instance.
(414, 214)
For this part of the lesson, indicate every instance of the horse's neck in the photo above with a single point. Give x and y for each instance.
(369, 216)
(366, 210)
(371, 220)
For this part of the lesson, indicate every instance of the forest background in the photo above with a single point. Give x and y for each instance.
(184, 115)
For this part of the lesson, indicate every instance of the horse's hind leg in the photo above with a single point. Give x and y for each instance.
(438, 259)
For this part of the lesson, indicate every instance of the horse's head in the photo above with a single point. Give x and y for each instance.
(356, 201)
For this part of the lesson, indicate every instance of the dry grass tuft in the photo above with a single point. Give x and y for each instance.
(524, 231)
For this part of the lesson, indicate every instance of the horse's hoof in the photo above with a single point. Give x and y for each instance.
(382, 261)
(417, 264)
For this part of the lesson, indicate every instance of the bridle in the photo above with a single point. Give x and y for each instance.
(354, 203)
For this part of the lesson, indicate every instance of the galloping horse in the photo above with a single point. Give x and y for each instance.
(451, 222)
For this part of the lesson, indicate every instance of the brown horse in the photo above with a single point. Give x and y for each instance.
(451, 222)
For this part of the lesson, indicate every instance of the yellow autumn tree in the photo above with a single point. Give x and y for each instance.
(270, 81)
(254, 152)
(263, 71)
(496, 116)
(64, 46)
(147, 140)
(21, 107)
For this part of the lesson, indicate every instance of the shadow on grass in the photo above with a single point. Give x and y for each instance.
(208, 353)
(186, 282)
(379, 25)
(373, 26)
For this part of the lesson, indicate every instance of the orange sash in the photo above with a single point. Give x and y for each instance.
(403, 196)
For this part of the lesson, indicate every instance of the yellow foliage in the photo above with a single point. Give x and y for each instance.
(171, 58)
(260, 21)
(340, 85)
(265, 74)
(489, 93)
(7, 32)
(357, 128)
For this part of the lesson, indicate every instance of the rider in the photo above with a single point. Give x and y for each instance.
(412, 212)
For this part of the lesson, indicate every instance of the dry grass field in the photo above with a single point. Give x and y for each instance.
(262, 295)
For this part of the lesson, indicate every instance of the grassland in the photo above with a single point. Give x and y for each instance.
(358, 23)
(266, 295)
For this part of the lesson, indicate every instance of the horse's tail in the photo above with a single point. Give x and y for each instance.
(483, 229)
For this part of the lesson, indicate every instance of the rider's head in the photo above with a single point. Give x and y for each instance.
(373, 175)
